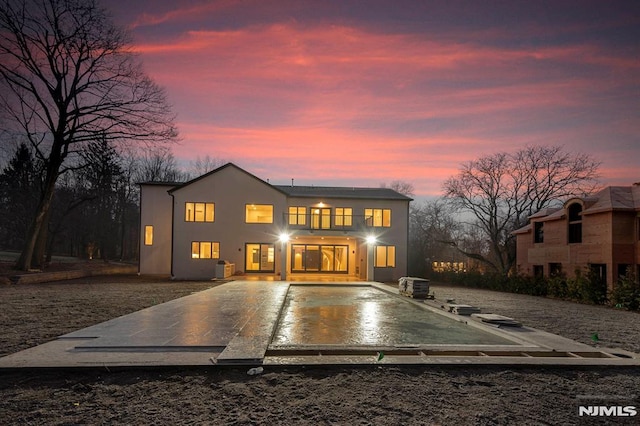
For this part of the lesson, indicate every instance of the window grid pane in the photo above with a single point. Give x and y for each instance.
(205, 250)
(199, 212)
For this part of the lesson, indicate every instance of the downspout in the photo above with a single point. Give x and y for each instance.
(140, 230)
(172, 231)
(406, 250)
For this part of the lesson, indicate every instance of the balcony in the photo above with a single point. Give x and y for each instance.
(330, 222)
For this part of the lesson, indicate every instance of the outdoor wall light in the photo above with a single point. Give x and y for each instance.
(284, 237)
(371, 239)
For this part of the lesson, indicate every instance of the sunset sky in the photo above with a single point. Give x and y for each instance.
(358, 93)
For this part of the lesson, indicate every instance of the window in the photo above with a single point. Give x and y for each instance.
(575, 223)
(297, 215)
(555, 269)
(344, 216)
(259, 213)
(198, 212)
(377, 217)
(624, 270)
(320, 218)
(260, 257)
(205, 250)
(148, 235)
(538, 232)
(538, 271)
(385, 257)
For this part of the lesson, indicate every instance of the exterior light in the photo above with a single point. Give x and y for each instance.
(371, 239)
(284, 237)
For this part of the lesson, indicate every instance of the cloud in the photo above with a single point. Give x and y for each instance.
(340, 102)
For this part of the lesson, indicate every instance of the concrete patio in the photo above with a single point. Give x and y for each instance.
(264, 323)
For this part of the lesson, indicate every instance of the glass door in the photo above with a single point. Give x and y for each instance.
(319, 258)
(260, 257)
(320, 218)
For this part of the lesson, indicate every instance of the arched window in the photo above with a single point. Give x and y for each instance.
(575, 223)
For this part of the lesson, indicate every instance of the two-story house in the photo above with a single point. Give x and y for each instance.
(282, 231)
(599, 232)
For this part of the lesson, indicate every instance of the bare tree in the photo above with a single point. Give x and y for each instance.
(159, 165)
(502, 190)
(432, 228)
(68, 77)
(405, 188)
(203, 165)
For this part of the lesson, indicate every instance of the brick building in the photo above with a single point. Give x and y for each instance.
(599, 232)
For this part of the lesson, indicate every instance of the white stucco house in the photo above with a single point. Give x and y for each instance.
(279, 231)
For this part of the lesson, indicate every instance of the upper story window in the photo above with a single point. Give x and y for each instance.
(538, 232)
(575, 223)
(297, 215)
(344, 216)
(378, 217)
(320, 218)
(259, 213)
(198, 212)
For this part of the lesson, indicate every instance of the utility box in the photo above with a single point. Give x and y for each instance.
(225, 269)
(417, 288)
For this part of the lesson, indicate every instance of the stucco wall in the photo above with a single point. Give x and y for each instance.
(230, 189)
(395, 235)
(155, 210)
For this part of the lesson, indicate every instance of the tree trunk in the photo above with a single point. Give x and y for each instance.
(38, 260)
(25, 260)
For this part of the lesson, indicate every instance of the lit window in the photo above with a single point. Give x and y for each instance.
(259, 213)
(343, 216)
(378, 217)
(321, 218)
(385, 257)
(148, 235)
(199, 212)
(205, 250)
(297, 215)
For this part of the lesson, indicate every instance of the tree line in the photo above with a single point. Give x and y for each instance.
(94, 211)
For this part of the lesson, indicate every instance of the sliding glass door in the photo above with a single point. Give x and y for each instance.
(319, 258)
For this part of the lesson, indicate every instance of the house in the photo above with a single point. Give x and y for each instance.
(600, 232)
(278, 231)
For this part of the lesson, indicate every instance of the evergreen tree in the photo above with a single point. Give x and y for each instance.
(19, 193)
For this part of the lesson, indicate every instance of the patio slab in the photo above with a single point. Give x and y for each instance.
(247, 323)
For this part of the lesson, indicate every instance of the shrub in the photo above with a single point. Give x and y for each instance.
(626, 293)
(557, 286)
(594, 289)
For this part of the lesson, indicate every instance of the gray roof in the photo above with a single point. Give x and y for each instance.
(341, 192)
(305, 191)
(611, 198)
(619, 198)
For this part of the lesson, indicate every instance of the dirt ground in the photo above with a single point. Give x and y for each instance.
(426, 395)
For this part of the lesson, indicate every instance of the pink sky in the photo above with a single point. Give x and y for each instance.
(339, 93)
